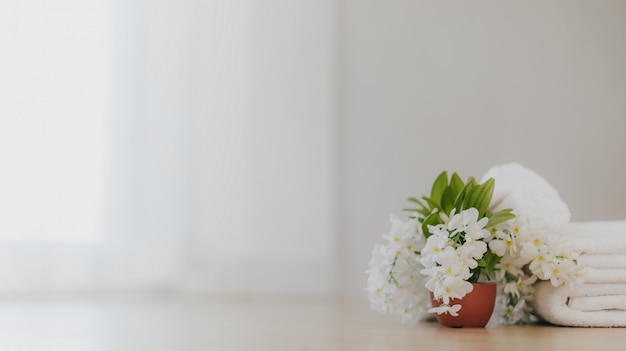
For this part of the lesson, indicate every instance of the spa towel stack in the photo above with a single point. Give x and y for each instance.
(601, 300)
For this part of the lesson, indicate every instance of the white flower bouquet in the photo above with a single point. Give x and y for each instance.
(464, 233)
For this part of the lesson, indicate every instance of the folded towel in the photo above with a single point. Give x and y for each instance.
(605, 238)
(599, 289)
(610, 227)
(598, 303)
(602, 261)
(605, 275)
(551, 305)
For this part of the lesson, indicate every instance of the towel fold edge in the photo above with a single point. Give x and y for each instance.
(551, 305)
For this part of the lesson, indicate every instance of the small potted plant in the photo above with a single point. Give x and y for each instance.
(457, 259)
(457, 243)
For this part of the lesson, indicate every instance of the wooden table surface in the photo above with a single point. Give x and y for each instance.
(229, 323)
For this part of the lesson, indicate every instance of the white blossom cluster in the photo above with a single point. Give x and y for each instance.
(395, 284)
(450, 255)
(526, 257)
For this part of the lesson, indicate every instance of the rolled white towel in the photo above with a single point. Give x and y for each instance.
(551, 305)
(598, 303)
(529, 195)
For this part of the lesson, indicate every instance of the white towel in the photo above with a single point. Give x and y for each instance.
(605, 275)
(603, 238)
(530, 196)
(598, 303)
(599, 289)
(551, 304)
(602, 261)
(611, 227)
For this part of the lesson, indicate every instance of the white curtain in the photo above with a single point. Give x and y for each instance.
(54, 94)
(167, 146)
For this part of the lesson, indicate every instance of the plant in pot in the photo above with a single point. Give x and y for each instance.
(457, 258)
(461, 239)
(439, 261)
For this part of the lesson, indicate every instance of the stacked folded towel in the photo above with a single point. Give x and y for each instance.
(601, 300)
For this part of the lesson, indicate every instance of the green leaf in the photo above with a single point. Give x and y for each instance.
(458, 202)
(422, 211)
(470, 196)
(431, 219)
(475, 276)
(440, 184)
(433, 205)
(416, 200)
(447, 200)
(483, 196)
(479, 197)
(491, 260)
(471, 181)
(499, 217)
(470, 187)
(456, 184)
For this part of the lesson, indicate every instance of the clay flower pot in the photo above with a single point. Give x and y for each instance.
(476, 307)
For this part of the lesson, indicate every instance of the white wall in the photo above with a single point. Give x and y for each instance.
(263, 169)
(459, 85)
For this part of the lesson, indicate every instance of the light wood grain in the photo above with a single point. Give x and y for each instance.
(203, 323)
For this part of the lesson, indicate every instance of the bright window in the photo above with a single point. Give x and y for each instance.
(54, 95)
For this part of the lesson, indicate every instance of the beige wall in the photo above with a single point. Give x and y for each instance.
(431, 85)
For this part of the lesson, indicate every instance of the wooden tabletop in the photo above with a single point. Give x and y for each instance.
(259, 323)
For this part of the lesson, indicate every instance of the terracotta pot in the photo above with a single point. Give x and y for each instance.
(476, 307)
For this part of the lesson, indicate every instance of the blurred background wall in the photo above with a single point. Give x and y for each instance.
(245, 146)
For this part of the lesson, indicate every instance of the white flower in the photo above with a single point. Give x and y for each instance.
(467, 255)
(507, 265)
(395, 284)
(405, 235)
(474, 247)
(541, 265)
(439, 229)
(511, 288)
(503, 242)
(435, 245)
(518, 313)
(380, 256)
(533, 249)
(452, 265)
(446, 218)
(449, 265)
(435, 276)
(525, 284)
(520, 287)
(443, 309)
(452, 287)
(467, 222)
(561, 270)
